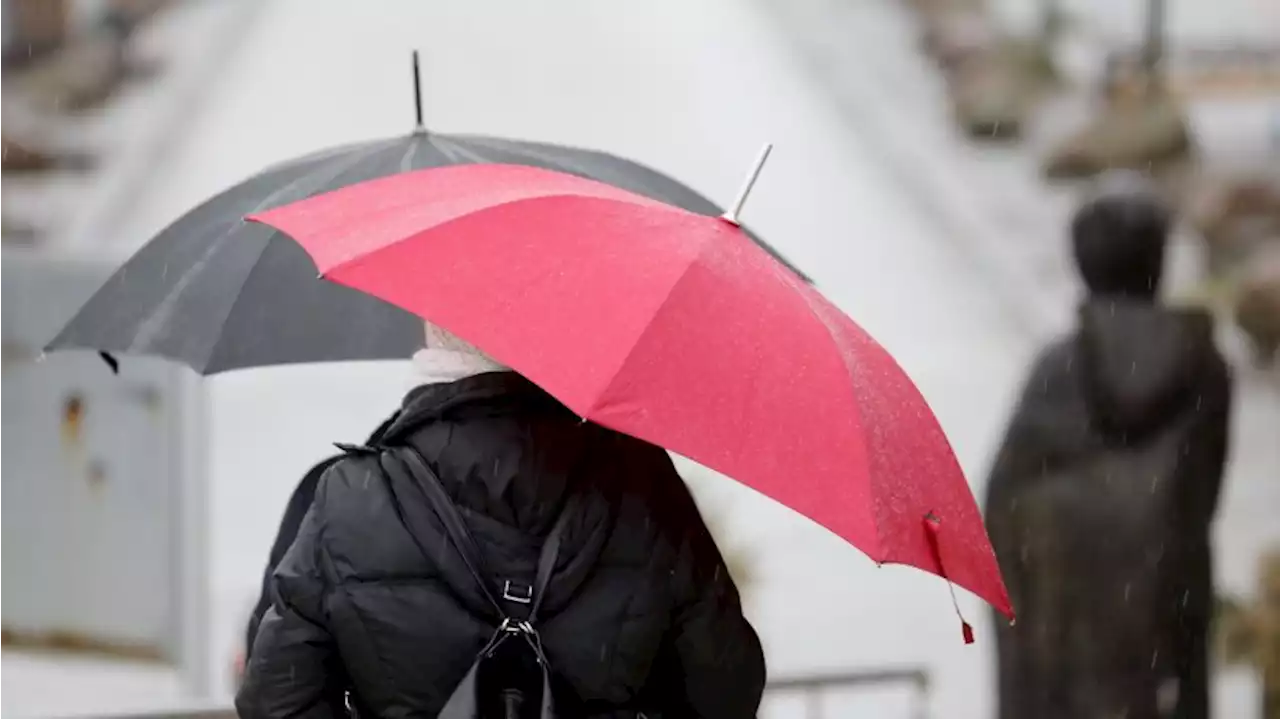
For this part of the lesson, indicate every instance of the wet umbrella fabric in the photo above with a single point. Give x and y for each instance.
(217, 293)
(673, 327)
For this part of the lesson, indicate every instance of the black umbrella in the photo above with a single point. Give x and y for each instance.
(218, 293)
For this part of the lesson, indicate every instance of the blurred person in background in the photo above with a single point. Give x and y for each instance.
(1101, 499)
(641, 617)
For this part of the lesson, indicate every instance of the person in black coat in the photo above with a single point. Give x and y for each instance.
(1100, 501)
(640, 616)
(295, 509)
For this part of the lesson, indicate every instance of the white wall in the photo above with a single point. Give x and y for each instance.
(89, 496)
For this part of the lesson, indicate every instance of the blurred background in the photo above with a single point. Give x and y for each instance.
(928, 154)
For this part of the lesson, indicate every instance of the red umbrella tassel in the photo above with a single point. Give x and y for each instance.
(933, 525)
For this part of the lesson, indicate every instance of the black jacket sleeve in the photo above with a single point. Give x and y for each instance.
(294, 511)
(721, 663)
(293, 668)
(1021, 458)
(1214, 434)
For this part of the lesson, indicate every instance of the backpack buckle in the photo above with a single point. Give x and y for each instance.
(511, 592)
(514, 626)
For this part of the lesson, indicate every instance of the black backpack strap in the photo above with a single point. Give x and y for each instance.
(420, 475)
(550, 553)
(465, 543)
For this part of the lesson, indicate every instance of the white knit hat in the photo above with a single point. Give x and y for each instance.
(447, 357)
(440, 338)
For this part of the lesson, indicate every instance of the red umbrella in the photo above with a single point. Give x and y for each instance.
(672, 327)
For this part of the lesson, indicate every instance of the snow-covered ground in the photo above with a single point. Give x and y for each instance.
(692, 88)
(53, 684)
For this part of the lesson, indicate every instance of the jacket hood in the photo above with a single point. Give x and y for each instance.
(1141, 362)
(484, 394)
(501, 445)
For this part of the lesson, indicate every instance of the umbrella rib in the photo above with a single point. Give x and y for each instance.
(878, 555)
(211, 360)
(165, 308)
(662, 304)
(552, 162)
(539, 153)
(329, 153)
(159, 317)
(359, 257)
(781, 275)
(457, 150)
(276, 235)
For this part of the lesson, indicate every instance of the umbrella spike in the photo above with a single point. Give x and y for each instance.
(732, 215)
(417, 95)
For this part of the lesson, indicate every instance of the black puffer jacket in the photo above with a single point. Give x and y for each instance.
(640, 615)
(1100, 507)
(294, 511)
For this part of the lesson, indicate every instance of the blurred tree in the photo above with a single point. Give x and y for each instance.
(1144, 130)
(1249, 634)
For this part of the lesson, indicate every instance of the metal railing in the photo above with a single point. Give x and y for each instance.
(209, 712)
(813, 688)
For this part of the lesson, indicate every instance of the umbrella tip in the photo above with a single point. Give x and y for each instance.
(731, 216)
(418, 127)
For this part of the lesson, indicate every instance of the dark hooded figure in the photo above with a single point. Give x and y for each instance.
(1101, 498)
(377, 613)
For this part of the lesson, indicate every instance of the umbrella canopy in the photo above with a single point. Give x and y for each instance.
(671, 326)
(217, 293)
